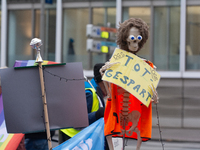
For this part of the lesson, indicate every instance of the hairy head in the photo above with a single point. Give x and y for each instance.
(123, 32)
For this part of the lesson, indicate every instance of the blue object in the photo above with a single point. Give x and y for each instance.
(109, 43)
(98, 31)
(36, 144)
(98, 46)
(132, 37)
(90, 138)
(49, 1)
(139, 37)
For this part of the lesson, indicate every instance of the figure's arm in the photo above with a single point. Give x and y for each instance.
(152, 88)
(155, 97)
(102, 71)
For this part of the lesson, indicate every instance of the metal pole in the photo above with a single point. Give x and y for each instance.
(182, 37)
(168, 38)
(42, 16)
(3, 32)
(90, 22)
(152, 34)
(118, 12)
(182, 51)
(33, 28)
(124, 125)
(58, 31)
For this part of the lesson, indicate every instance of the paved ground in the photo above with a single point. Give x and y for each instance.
(172, 139)
(156, 145)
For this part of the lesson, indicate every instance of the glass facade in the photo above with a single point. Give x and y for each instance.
(50, 34)
(164, 50)
(103, 17)
(166, 38)
(192, 38)
(48, 47)
(19, 36)
(74, 36)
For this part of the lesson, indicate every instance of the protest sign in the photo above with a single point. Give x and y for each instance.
(22, 98)
(133, 74)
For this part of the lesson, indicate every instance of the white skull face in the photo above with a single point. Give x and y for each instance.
(133, 39)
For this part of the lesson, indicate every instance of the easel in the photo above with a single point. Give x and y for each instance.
(35, 44)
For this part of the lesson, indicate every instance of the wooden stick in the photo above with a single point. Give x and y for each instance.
(45, 106)
(109, 140)
(124, 126)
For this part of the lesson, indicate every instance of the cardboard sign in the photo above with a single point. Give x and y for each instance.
(133, 74)
(22, 98)
(117, 143)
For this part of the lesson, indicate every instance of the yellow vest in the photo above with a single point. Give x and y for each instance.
(95, 106)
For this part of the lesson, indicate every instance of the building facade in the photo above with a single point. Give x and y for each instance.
(173, 45)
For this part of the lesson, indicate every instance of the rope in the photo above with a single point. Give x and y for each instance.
(61, 78)
(159, 128)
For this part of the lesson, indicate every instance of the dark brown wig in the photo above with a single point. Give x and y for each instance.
(123, 32)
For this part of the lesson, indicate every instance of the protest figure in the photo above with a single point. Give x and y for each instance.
(125, 115)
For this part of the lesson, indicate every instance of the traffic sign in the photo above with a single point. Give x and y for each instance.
(100, 32)
(100, 46)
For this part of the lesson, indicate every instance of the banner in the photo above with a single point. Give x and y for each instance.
(7, 141)
(32, 63)
(133, 74)
(90, 138)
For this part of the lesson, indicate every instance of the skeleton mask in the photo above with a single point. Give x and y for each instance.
(133, 39)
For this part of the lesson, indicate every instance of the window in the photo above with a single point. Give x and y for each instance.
(19, 36)
(192, 38)
(166, 38)
(74, 36)
(48, 47)
(105, 17)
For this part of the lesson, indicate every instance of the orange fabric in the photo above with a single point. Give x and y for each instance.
(111, 115)
(150, 63)
(112, 119)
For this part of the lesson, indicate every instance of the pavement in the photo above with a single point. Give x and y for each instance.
(176, 134)
(169, 139)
